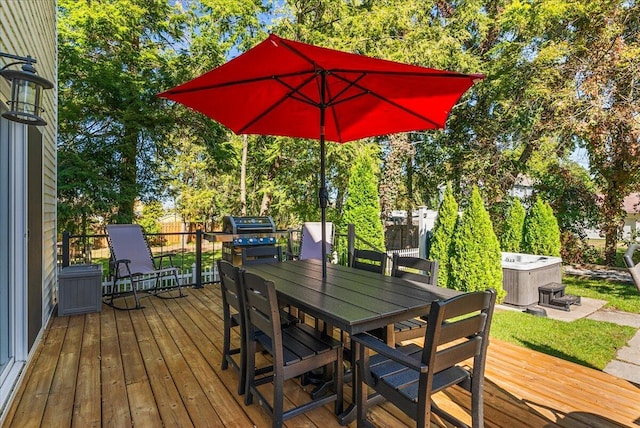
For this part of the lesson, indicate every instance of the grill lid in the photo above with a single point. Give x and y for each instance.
(237, 225)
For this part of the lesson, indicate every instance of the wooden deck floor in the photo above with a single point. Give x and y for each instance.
(160, 366)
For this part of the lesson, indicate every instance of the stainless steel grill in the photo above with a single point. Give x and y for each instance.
(249, 232)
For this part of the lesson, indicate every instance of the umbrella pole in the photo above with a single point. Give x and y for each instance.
(323, 208)
(323, 196)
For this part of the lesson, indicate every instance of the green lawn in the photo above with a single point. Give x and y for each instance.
(586, 342)
(181, 260)
(620, 296)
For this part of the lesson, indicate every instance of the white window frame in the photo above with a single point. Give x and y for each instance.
(14, 136)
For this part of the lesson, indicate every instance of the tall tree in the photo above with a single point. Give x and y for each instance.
(605, 67)
(110, 59)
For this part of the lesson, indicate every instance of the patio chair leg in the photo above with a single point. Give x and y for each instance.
(135, 293)
(175, 276)
(250, 371)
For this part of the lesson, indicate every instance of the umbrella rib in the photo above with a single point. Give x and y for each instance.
(177, 91)
(350, 84)
(388, 101)
(296, 90)
(293, 90)
(408, 73)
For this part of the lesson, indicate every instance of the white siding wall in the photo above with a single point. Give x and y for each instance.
(28, 27)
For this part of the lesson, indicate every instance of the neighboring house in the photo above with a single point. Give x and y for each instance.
(631, 226)
(27, 196)
(522, 188)
(632, 220)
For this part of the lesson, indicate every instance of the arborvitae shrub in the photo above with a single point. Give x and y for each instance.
(362, 207)
(442, 234)
(476, 261)
(541, 234)
(513, 225)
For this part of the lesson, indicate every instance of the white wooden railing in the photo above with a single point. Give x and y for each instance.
(209, 274)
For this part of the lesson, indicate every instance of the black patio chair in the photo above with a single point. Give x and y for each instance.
(295, 350)
(418, 270)
(233, 317)
(457, 330)
(373, 261)
(415, 269)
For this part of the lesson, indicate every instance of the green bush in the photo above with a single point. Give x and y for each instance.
(511, 236)
(149, 220)
(541, 234)
(476, 261)
(362, 207)
(442, 234)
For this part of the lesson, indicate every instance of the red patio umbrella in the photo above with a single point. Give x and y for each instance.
(292, 89)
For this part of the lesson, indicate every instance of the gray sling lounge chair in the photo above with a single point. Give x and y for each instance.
(132, 258)
(311, 241)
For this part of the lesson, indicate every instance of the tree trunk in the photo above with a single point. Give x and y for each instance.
(614, 218)
(127, 180)
(409, 234)
(267, 196)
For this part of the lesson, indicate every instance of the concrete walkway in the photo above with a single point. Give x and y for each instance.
(626, 365)
(627, 362)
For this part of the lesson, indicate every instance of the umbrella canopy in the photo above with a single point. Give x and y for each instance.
(292, 89)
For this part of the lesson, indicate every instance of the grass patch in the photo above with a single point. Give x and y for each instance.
(181, 260)
(586, 342)
(620, 296)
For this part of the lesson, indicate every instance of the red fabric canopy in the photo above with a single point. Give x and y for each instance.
(276, 88)
(292, 89)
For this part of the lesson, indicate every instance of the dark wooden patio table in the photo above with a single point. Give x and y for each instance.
(350, 299)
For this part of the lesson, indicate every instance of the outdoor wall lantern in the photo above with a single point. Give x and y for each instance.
(26, 91)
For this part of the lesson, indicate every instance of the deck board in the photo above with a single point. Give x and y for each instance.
(86, 409)
(161, 366)
(59, 408)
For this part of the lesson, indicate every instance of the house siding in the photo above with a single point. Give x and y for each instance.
(28, 27)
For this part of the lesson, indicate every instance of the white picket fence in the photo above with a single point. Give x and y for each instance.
(209, 275)
(405, 252)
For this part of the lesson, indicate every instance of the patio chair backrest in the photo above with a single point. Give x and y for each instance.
(230, 285)
(458, 329)
(373, 261)
(261, 307)
(127, 241)
(311, 245)
(415, 269)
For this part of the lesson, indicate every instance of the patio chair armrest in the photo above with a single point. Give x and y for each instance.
(125, 261)
(159, 256)
(366, 340)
